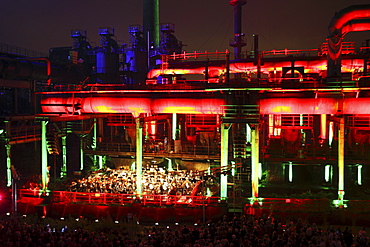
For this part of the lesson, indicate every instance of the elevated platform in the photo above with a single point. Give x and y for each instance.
(147, 209)
(151, 209)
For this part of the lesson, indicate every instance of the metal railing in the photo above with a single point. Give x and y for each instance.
(347, 48)
(120, 199)
(287, 52)
(19, 51)
(294, 205)
(217, 55)
(19, 134)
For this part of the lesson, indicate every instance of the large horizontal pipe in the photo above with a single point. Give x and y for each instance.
(347, 14)
(310, 66)
(315, 106)
(351, 19)
(73, 105)
(119, 105)
(356, 26)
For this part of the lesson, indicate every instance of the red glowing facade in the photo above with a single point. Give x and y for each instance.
(277, 116)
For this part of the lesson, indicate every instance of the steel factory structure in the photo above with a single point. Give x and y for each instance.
(256, 120)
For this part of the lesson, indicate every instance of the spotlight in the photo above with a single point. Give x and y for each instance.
(62, 218)
(137, 222)
(24, 216)
(176, 224)
(117, 222)
(168, 226)
(156, 223)
(96, 220)
(195, 224)
(77, 219)
(8, 213)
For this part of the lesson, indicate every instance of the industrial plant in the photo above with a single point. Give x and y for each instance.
(148, 128)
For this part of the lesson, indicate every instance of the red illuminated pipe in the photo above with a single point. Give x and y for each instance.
(298, 106)
(356, 26)
(135, 106)
(345, 15)
(315, 66)
(351, 106)
(339, 21)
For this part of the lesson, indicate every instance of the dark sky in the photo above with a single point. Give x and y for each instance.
(200, 24)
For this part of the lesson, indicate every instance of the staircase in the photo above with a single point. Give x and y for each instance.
(239, 146)
(52, 139)
(241, 114)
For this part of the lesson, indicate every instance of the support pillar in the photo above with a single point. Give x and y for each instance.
(81, 154)
(8, 165)
(224, 158)
(255, 161)
(341, 162)
(169, 167)
(100, 163)
(139, 156)
(44, 157)
(174, 126)
(93, 146)
(323, 124)
(63, 170)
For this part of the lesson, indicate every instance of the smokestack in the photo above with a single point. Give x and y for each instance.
(151, 22)
(238, 42)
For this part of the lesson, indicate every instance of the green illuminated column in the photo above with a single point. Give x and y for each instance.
(100, 163)
(139, 156)
(8, 166)
(151, 21)
(174, 125)
(224, 157)
(341, 162)
(44, 157)
(169, 167)
(63, 170)
(81, 154)
(93, 146)
(328, 174)
(359, 174)
(255, 160)
(290, 172)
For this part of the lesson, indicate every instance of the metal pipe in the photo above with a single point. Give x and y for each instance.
(224, 158)
(8, 165)
(255, 161)
(151, 21)
(63, 170)
(44, 157)
(139, 156)
(238, 41)
(341, 24)
(341, 162)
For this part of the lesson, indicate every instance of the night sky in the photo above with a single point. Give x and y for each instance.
(200, 24)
